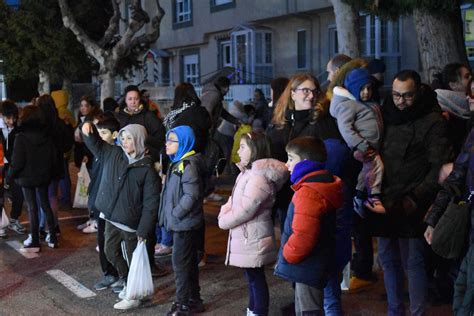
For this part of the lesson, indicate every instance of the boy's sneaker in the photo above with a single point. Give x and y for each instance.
(177, 309)
(163, 251)
(374, 204)
(29, 246)
(214, 197)
(91, 229)
(16, 226)
(3, 233)
(127, 304)
(196, 306)
(118, 286)
(105, 282)
(84, 225)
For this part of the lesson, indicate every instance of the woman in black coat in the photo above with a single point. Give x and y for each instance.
(32, 168)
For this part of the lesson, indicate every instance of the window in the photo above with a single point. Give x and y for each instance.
(219, 5)
(380, 38)
(225, 54)
(333, 45)
(301, 49)
(191, 69)
(182, 13)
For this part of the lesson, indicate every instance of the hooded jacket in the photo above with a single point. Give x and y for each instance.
(33, 158)
(128, 192)
(308, 242)
(360, 123)
(247, 214)
(211, 99)
(183, 193)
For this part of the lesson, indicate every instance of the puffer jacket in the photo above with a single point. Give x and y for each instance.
(360, 123)
(308, 242)
(128, 193)
(247, 214)
(182, 195)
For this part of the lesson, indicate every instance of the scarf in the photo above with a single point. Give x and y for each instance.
(453, 102)
(138, 110)
(171, 117)
(304, 167)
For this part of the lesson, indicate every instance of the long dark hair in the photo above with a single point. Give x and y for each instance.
(32, 117)
(185, 93)
(47, 105)
(260, 146)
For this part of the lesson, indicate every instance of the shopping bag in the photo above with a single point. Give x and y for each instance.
(139, 281)
(4, 222)
(83, 180)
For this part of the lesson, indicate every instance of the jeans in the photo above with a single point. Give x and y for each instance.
(52, 201)
(397, 254)
(106, 266)
(163, 236)
(259, 297)
(119, 246)
(30, 195)
(185, 266)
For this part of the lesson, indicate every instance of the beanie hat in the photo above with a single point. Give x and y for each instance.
(376, 66)
(355, 80)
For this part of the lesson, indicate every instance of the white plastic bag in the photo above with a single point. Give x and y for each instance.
(83, 180)
(139, 281)
(4, 221)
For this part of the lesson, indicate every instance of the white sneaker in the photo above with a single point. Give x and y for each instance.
(82, 226)
(123, 294)
(214, 197)
(127, 304)
(91, 229)
(28, 241)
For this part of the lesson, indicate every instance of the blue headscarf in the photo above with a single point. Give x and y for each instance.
(186, 140)
(356, 80)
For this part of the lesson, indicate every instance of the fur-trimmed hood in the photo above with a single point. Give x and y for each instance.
(273, 170)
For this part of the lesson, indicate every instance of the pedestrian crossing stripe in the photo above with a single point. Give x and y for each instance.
(15, 244)
(71, 284)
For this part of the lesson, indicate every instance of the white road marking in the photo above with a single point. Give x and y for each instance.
(71, 284)
(63, 218)
(15, 244)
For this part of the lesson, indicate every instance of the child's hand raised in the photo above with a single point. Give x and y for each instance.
(87, 128)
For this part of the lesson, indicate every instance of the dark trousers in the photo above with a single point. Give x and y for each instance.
(16, 196)
(106, 266)
(150, 247)
(258, 290)
(29, 194)
(185, 266)
(119, 246)
(363, 258)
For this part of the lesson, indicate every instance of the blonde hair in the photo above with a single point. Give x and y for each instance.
(285, 101)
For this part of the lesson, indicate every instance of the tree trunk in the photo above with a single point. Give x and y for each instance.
(440, 41)
(67, 85)
(347, 24)
(107, 85)
(44, 84)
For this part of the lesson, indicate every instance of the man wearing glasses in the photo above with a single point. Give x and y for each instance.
(415, 147)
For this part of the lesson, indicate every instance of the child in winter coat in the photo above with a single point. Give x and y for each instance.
(308, 241)
(247, 214)
(128, 196)
(361, 126)
(31, 167)
(181, 213)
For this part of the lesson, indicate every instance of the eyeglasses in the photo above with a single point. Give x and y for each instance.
(407, 96)
(306, 91)
(172, 141)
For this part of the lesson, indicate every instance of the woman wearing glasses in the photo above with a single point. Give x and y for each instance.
(303, 110)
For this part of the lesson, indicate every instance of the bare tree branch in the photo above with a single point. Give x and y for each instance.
(113, 28)
(69, 22)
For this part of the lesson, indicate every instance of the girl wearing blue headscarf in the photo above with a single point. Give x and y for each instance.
(181, 213)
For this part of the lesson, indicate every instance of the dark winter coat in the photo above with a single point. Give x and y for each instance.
(414, 149)
(128, 193)
(33, 158)
(181, 207)
(199, 120)
(211, 98)
(154, 127)
(308, 241)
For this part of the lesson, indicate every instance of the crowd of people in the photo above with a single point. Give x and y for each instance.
(334, 168)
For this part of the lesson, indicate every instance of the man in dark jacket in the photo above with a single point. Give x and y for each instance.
(414, 149)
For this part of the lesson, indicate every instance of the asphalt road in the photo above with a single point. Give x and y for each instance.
(26, 288)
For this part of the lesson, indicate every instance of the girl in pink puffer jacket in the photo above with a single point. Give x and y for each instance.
(247, 214)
